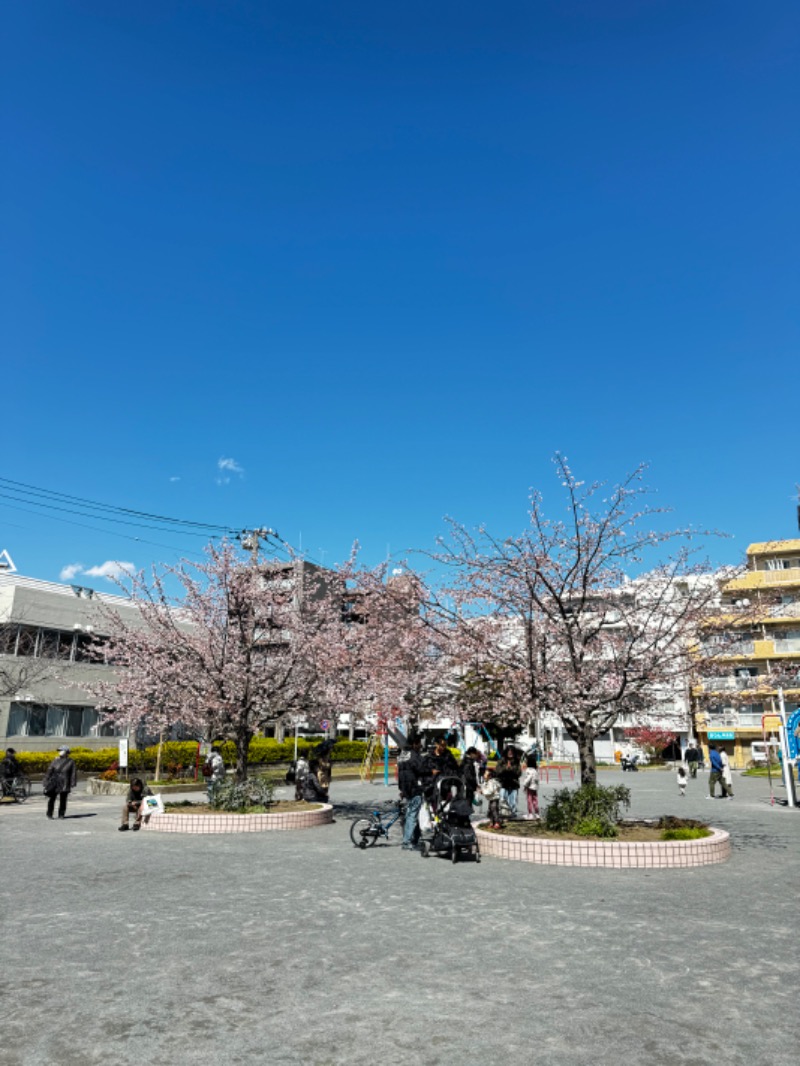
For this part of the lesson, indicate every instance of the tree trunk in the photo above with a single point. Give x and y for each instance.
(586, 755)
(243, 738)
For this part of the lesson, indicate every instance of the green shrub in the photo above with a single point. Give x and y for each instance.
(599, 805)
(180, 754)
(233, 796)
(685, 833)
(595, 827)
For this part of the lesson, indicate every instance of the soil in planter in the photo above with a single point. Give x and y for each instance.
(629, 832)
(280, 807)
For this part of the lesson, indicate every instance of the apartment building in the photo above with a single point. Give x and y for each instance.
(47, 632)
(739, 701)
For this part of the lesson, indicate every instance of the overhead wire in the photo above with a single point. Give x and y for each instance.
(50, 494)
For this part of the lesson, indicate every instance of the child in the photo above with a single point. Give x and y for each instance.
(530, 783)
(682, 779)
(491, 790)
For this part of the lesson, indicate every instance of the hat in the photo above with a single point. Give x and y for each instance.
(63, 750)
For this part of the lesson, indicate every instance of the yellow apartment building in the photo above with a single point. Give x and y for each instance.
(737, 704)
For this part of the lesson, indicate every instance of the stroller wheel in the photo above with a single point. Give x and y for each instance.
(424, 850)
(454, 855)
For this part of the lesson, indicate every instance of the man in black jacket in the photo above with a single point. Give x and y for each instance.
(60, 779)
(469, 772)
(410, 773)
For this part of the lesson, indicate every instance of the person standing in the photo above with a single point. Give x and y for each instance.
(313, 789)
(469, 772)
(682, 779)
(692, 759)
(717, 766)
(491, 792)
(530, 783)
(60, 779)
(727, 776)
(410, 773)
(213, 769)
(508, 776)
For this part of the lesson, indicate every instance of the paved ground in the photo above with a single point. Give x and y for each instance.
(296, 948)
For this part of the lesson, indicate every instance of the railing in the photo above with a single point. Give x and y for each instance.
(732, 684)
(787, 646)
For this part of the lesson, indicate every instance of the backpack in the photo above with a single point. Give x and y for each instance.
(207, 770)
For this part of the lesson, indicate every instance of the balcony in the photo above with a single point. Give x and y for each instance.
(787, 647)
(734, 684)
(764, 579)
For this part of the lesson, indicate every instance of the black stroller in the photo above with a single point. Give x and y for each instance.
(451, 831)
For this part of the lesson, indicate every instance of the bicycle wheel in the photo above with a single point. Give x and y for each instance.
(394, 832)
(19, 792)
(364, 832)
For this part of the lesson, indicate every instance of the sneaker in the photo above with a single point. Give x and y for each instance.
(124, 828)
(137, 825)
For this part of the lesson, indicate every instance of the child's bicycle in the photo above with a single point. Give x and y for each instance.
(388, 825)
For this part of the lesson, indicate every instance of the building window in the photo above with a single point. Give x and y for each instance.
(57, 720)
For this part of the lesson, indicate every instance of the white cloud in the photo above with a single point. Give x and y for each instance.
(229, 464)
(174, 479)
(226, 467)
(111, 569)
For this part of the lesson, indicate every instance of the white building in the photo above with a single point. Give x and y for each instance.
(46, 631)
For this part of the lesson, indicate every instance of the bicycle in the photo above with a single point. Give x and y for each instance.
(18, 788)
(367, 830)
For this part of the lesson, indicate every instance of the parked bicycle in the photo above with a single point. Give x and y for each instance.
(366, 831)
(18, 788)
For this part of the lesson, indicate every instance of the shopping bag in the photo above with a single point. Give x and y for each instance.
(424, 820)
(152, 805)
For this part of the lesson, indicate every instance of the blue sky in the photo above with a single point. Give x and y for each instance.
(389, 258)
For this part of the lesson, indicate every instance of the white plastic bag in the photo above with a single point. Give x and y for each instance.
(424, 820)
(152, 805)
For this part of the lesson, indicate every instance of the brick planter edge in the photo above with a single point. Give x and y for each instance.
(616, 855)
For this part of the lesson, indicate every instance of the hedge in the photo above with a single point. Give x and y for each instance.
(182, 754)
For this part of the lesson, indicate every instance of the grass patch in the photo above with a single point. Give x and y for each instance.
(686, 833)
(627, 832)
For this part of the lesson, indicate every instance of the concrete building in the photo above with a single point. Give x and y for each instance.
(46, 632)
(738, 704)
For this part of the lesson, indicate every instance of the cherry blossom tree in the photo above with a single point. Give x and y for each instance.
(553, 620)
(232, 651)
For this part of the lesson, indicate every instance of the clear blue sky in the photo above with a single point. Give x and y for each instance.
(389, 258)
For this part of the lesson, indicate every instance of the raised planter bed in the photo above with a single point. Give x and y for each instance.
(614, 854)
(172, 822)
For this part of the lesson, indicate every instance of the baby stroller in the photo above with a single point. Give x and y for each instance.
(451, 830)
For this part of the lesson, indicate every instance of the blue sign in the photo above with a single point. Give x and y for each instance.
(792, 728)
(721, 734)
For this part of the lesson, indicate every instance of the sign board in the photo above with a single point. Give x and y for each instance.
(123, 753)
(721, 734)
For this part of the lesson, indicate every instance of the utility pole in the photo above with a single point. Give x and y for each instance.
(250, 540)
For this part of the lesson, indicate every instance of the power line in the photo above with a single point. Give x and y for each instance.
(94, 529)
(52, 494)
(46, 506)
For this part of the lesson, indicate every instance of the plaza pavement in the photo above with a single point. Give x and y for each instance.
(287, 948)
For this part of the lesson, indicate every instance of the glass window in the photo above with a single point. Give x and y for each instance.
(27, 640)
(73, 721)
(8, 639)
(48, 644)
(18, 720)
(37, 721)
(56, 721)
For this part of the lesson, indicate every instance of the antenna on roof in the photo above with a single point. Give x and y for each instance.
(7, 563)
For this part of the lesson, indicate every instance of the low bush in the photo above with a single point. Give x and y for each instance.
(685, 833)
(595, 806)
(233, 796)
(179, 755)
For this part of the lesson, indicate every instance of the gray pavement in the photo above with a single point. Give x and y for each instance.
(287, 948)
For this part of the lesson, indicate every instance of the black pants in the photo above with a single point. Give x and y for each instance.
(62, 803)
